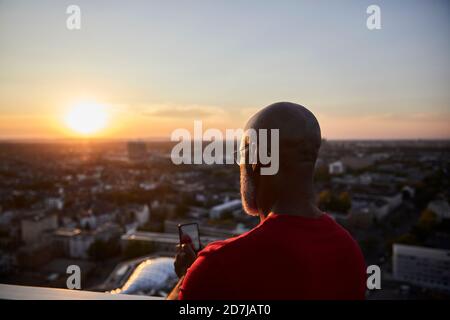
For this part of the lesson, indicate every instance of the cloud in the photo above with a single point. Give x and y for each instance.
(181, 111)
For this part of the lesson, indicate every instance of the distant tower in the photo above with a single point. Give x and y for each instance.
(137, 151)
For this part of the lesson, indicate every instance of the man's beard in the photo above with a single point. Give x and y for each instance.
(248, 194)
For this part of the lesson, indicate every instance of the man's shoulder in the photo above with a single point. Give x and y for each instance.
(233, 244)
(214, 271)
(349, 246)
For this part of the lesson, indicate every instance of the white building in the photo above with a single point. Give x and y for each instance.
(365, 179)
(410, 191)
(394, 199)
(54, 203)
(75, 243)
(372, 208)
(425, 267)
(441, 208)
(336, 167)
(64, 240)
(104, 218)
(142, 214)
(79, 245)
(131, 227)
(88, 221)
(217, 211)
(163, 242)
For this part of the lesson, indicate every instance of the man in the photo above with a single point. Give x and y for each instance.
(297, 251)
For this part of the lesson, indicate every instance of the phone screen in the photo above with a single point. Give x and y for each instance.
(189, 234)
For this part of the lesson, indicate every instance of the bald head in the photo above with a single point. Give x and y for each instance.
(299, 131)
(290, 190)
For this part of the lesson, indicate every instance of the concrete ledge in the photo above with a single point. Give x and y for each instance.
(14, 292)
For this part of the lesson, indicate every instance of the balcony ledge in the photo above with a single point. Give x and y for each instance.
(14, 292)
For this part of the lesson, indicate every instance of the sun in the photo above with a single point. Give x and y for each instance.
(87, 118)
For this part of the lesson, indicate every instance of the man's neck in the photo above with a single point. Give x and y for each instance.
(307, 210)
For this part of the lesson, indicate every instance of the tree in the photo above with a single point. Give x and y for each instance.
(329, 202)
(324, 199)
(428, 219)
(407, 238)
(344, 201)
(321, 174)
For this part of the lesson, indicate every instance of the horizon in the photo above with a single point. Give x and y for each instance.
(165, 139)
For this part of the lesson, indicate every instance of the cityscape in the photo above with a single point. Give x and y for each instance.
(113, 207)
(204, 150)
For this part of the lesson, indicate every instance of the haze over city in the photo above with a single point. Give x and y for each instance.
(151, 67)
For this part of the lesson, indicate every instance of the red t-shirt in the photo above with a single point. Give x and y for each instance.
(285, 257)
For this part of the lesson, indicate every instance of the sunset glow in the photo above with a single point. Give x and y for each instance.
(156, 76)
(87, 118)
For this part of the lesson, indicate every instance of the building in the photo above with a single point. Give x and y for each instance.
(408, 192)
(162, 242)
(79, 245)
(441, 208)
(34, 226)
(6, 217)
(370, 207)
(365, 179)
(54, 203)
(88, 221)
(422, 266)
(171, 226)
(219, 232)
(141, 213)
(75, 243)
(62, 238)
(392, 197)
(152, 276)
(336, 167)
(197, 212)
(34, 255)
(7, 262)
(357, 163)
(137, 151)
(218, 211)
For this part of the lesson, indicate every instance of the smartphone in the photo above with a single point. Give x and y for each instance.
(189, 234)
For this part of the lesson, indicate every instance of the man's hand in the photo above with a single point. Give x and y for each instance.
(184, 258)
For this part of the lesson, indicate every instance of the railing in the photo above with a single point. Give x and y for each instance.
(14, 292)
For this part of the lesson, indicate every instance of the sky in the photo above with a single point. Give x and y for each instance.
(157, 66)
